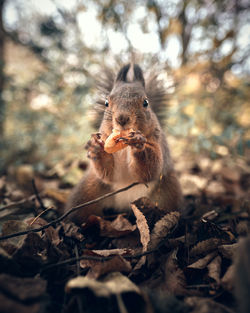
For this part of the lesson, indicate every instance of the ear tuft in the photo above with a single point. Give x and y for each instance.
(130, 73)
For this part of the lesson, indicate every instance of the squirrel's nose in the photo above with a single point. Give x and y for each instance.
(122, 119)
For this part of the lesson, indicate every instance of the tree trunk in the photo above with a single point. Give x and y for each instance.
(2, 104)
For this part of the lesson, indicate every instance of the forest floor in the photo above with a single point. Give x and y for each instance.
(142, 261)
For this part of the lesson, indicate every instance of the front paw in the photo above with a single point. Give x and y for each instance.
(95, 147)
(136, 139)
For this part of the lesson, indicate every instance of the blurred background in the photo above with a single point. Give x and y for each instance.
(51, 51)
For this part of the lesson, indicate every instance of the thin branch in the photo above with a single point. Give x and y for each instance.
(18, 203)
(40, 214)
(78, 269)
(39, 199)
(99, 258)
(170, 244)
(66, 214)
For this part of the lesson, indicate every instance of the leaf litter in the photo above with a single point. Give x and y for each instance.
(195, 260)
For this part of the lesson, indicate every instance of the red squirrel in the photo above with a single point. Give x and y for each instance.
(145, 159)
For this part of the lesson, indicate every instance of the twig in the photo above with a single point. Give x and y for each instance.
(39, 199)
(40, 214)
(78, 297)
(106, 258)
(62, 217)
(14, 204)
(98, 258)
(198, 286)
(77, 262)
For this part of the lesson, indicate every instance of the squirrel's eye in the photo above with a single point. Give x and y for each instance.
(145, 103)
(106, 103)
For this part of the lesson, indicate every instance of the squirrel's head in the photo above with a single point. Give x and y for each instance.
(127, 105)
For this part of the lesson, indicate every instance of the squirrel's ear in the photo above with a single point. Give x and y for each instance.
(130, 73)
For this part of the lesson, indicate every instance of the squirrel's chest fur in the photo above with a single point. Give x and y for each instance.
(123, 177)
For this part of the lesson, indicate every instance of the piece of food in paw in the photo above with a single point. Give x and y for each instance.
(113, 144)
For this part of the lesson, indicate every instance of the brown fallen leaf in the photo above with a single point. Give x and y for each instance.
(242, 228)
(50, 232)
(113, 291)
(98, 268)
(21, 294)
(175, 281)
(204, 305)
(210, 236)
(205, 246)
(228, 251)
(117, 228)
(163, 227)
(227, 281)
(143, 228)
(214, 269)
(149, 209)
(10, 227)
(22, 288)
(113, 252)
(2, 185)
(10, 305)
(69, 229)
(202, 262)
(241, 276)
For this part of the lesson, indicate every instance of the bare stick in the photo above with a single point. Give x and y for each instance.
(40, 214)
(58, 220)
(14, 204)
(106, 258)
(39, 199)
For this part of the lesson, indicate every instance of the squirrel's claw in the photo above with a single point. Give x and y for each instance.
(94, 146)
(135, 139)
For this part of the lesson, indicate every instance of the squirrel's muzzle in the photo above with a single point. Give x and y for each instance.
(122, 119)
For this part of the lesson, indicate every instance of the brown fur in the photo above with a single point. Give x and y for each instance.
(148, 162)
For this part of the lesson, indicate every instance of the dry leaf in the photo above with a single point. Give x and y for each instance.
(2, 185)
(210, 215)
(21, 295)
(117, 228)
(241, 277)
(69, 229)
(175, 280)
(105, 293)
(203, 305)
(202, 263)
(98, 268)
(228, 251)
(143, 228)
(10, 305)
(113, 252)
(116, 264)
(205, 246)
(149, 209)
(22, 288)
(10, 227)
(50, 232)
(214, 269)
(163, 227)
(227, 281)
(242, 228)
